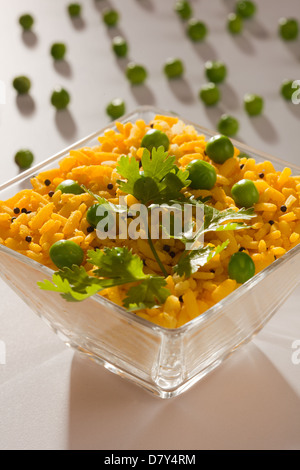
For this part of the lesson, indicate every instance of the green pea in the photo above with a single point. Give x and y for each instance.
(74, 10)
(216, 71)
(136, 73)
(246, 8)
(196, 30)
(116, 108)
(26, 21)
(174, 68)
(120, 46)
(287, 90)
(24, 159)
(22, 85)
(155, 138)
(241, 267)
(58, 51)
(288, 29)
(253, 104)
(228, 125)
(183, 9)
(60, 98)
(235, 23)
(94, 216)
(65, 254)
(219, 148)
(110, 17)
(210, 94)
(202, 175)
(245, 193)
(70, 187)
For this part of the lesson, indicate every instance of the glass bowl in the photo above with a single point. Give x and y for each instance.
(165, 362)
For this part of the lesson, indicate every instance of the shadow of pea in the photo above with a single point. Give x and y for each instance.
(25, 104)
(63, 68)
(29, 38)
(143, 94)
(182, 90)
(65, 124)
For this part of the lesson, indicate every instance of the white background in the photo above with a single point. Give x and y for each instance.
(49, 397)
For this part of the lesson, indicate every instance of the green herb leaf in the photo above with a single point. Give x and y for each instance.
(116, 266)
(147, 294)
(216, 221)
(159, 181)
(189, 263)
(117, 263)
(73, 284)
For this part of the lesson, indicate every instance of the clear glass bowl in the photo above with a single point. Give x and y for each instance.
(163, 361)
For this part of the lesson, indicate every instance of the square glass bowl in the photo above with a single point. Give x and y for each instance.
(165, 362)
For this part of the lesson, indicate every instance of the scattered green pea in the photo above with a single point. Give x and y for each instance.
(196, 30)
(245, 193)
(24, 159)
(183, 9)
(74, 10)
(215, 71)
(120, 46)
(70, 187)
(202, 175)
(287, 89)
(246, 8)
(136, 73)
(210, 94)
(58, 51)
(26, 21)
(22, 85)
(241, 267)
(60, 98)
(228, 125)
(219, 148)
(288, 29)
(116, 108)
(155, 138)
(174, 68)
(253, 104)
(110, 17)
(235, 23)
(66, 253)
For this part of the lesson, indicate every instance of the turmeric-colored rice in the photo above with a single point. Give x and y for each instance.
(51, 216)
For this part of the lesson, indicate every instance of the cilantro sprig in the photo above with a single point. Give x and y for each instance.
(160, 180)
(114, 267)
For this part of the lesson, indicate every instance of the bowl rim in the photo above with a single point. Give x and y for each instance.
(213, 311)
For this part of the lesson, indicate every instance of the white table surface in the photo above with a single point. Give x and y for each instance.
(50, 398)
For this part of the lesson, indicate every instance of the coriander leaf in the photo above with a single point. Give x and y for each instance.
(158, 182)
(147, 294)
(189, 263)
(73, 284)
(117, 263)
(158, 163)
(128, 168)
(214, 219)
